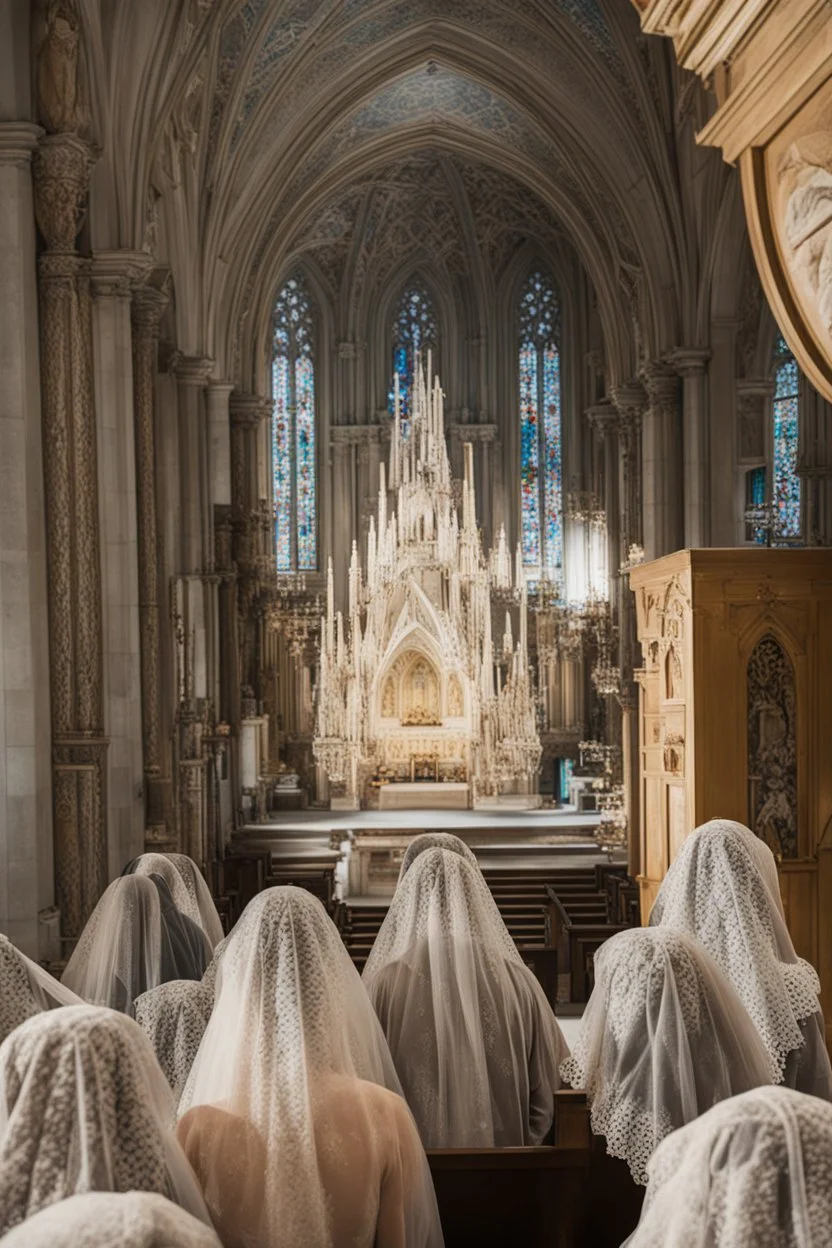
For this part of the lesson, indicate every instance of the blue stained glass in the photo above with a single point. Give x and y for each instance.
(293, 430)
(305, 463)
(282, 462)
(541, 442)
(755, 496)
(529, 457)
(786, 482)
(415, 332)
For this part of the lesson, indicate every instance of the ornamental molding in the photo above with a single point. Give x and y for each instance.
(462, 432)
(355, 435)
(18, 142)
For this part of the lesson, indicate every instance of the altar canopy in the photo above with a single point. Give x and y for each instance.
(411, 686)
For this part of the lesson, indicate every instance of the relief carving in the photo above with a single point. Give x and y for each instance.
(772, 747)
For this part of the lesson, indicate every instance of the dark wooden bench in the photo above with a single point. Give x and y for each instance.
(568, 1194)
(577, 942)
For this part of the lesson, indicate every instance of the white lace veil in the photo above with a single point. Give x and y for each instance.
(188, 888)
(722, 889)
(110, 1220)
(286, 1115)
(754, 1172)
(174, 1016)
(435, 840)
(663, 1037)
(84, 1107)
(26, 988)
(475, 1042)
(123, 948)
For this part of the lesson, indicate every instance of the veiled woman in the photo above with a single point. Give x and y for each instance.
(126, 947)
(663, 1038)
(110, 1220)
(722, 889)
(188, 888)
(85, 1108)
(754, 1172)
(291, 1116)
(475, 1042)
(174, 1016)
(26, 989)
(435, 840)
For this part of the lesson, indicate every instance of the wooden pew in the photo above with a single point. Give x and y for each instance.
(569, 1194)
(577, 943)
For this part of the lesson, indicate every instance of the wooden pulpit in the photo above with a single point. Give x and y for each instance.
(736, 718)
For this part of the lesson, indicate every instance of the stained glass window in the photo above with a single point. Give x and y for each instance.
(541, 443)
(293, 429)
(755, 498)
(785, 481)
(415, 332)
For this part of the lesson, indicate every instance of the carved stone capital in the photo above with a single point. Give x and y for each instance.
(18, 141)
(604, 418)
(661, 382)
(355, 435)
(462, 432)
(62, 166)
(630, 401)
(247, 410)
(689, 361)
(148, 308)
(346, 350)
(193, 370)
(116, 274)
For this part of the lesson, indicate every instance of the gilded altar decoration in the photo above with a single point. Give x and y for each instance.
(412, 673)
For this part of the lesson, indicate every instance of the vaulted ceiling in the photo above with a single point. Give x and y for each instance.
(236, 138)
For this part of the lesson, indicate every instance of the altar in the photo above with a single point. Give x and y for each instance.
(421, 704)
(425, 795)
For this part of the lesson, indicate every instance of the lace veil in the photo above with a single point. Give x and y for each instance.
(291, 1115)
(435, 840)
(188, 888)
(475, 1042)
(663, 1038)
(722, 889)
(107, 1219)
(174, 1016)
(26, 989)
(84, 1107)
(124, 948)
(754, 1172)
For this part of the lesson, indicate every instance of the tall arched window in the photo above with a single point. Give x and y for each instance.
(415, 332)
(293, 429)
(541, 448)
(785, 433)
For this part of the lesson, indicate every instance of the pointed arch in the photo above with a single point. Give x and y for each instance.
(541, 425)
(294, 427)
(413, 333)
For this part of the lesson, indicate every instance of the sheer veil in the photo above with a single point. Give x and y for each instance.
(84, 1107)
(475, 1042)
(174, 1016)
(122, 949)
(107, 1220)
(722, 889)
(435, 840)
(294, 1073)
(753, 1172)
(188, 888)
(26, 989)
(663, 1037)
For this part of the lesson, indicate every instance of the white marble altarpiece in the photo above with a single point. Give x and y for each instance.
(411, 690)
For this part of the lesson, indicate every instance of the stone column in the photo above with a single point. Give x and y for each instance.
(690, 363)
(62, 168)
(604, 419)
(149, 303)
(661, 460)
(26, 853)
(114, 275)
(630, 401)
